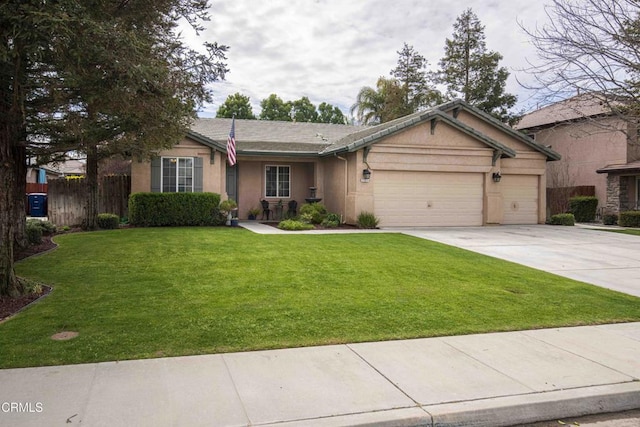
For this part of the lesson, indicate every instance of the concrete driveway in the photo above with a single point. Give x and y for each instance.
(610, 260)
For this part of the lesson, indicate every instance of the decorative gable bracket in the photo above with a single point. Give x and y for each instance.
(496, 155)
(365, 154)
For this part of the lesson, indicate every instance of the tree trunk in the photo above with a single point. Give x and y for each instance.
(11, 130)
(9, 284)
(20, 214)
(90, 222)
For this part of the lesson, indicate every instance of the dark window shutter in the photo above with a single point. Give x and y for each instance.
(197, 174)
(156, 184)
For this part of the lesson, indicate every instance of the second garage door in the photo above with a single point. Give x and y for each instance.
(520, 199)
(423, 199)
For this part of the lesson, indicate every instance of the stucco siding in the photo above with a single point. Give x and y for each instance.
(585, 148)
(493, 132)
(213, 173)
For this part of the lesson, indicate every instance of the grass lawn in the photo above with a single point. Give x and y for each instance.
(140, 293)
(633, 231)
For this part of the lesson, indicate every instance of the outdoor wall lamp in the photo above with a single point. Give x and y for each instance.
(366, 175)
(497, 176)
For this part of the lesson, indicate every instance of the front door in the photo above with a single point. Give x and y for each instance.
(232, 182)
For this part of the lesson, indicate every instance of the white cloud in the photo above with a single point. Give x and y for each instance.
(328, 49)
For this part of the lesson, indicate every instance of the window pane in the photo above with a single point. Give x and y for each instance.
(283, 181)
(185, 175)
(271, 181)
(169, 169)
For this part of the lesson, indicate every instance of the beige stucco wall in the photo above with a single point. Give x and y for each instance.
(447, 150)
(213, 174)
(584, 148)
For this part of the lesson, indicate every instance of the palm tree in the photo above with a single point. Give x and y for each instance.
(385, 103)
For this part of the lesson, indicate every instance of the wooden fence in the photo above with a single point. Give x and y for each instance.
(558, 198)
(33, 187)
(67, 199)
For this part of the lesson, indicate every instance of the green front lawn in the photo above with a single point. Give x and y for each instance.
(631, 231)
(140, 293)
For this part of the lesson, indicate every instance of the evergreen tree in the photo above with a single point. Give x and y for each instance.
(238, 105)
(98, 77)
(411, 73)
(471, 72)
(274, 108)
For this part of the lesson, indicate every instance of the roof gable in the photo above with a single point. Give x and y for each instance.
(456, 106)
(369, 136)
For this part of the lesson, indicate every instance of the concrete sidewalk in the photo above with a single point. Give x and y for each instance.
(497, 379)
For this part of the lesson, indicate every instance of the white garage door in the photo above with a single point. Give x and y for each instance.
(520, 199)
(422, 199)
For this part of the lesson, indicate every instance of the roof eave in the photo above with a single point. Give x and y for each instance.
(458, 103)
(435, 114)
(277, 153)
(206, 141)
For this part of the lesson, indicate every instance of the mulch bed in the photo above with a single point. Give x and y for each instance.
(319, 227)
(10, 306)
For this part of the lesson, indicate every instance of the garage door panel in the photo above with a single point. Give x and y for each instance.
(428, 198)
(520, 199)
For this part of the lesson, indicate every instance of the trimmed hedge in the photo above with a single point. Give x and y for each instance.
(108, 221)
(629, 219)
(563, 219)
(583, 208)
(610, 219)
(293, 225)
(174, 209)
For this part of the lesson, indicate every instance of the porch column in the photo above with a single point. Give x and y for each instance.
(613, 193)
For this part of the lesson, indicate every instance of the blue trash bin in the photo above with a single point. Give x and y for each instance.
(37, 204)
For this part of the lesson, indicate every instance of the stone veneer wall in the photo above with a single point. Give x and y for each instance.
(617, 193)
(613, 193)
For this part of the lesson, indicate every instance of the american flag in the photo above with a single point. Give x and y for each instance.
(231, 144)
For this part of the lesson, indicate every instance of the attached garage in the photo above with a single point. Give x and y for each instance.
(520, 199)
(422, 199)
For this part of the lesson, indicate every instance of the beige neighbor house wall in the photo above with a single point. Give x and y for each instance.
(585, 147)
(213, 173)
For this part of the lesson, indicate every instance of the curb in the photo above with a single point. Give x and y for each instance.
(496, 412)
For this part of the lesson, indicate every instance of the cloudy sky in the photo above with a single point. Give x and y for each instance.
(328, 49)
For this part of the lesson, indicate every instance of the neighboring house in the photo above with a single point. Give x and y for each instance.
(598, 149)
(43, 173)
(450, 165)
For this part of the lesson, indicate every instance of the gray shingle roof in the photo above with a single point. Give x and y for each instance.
(264, 136)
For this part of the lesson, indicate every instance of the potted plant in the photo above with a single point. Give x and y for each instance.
(228, 207)
(253, 213)
(279, 206)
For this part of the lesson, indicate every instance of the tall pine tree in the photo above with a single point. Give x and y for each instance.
(419, 90)
(472, 73)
